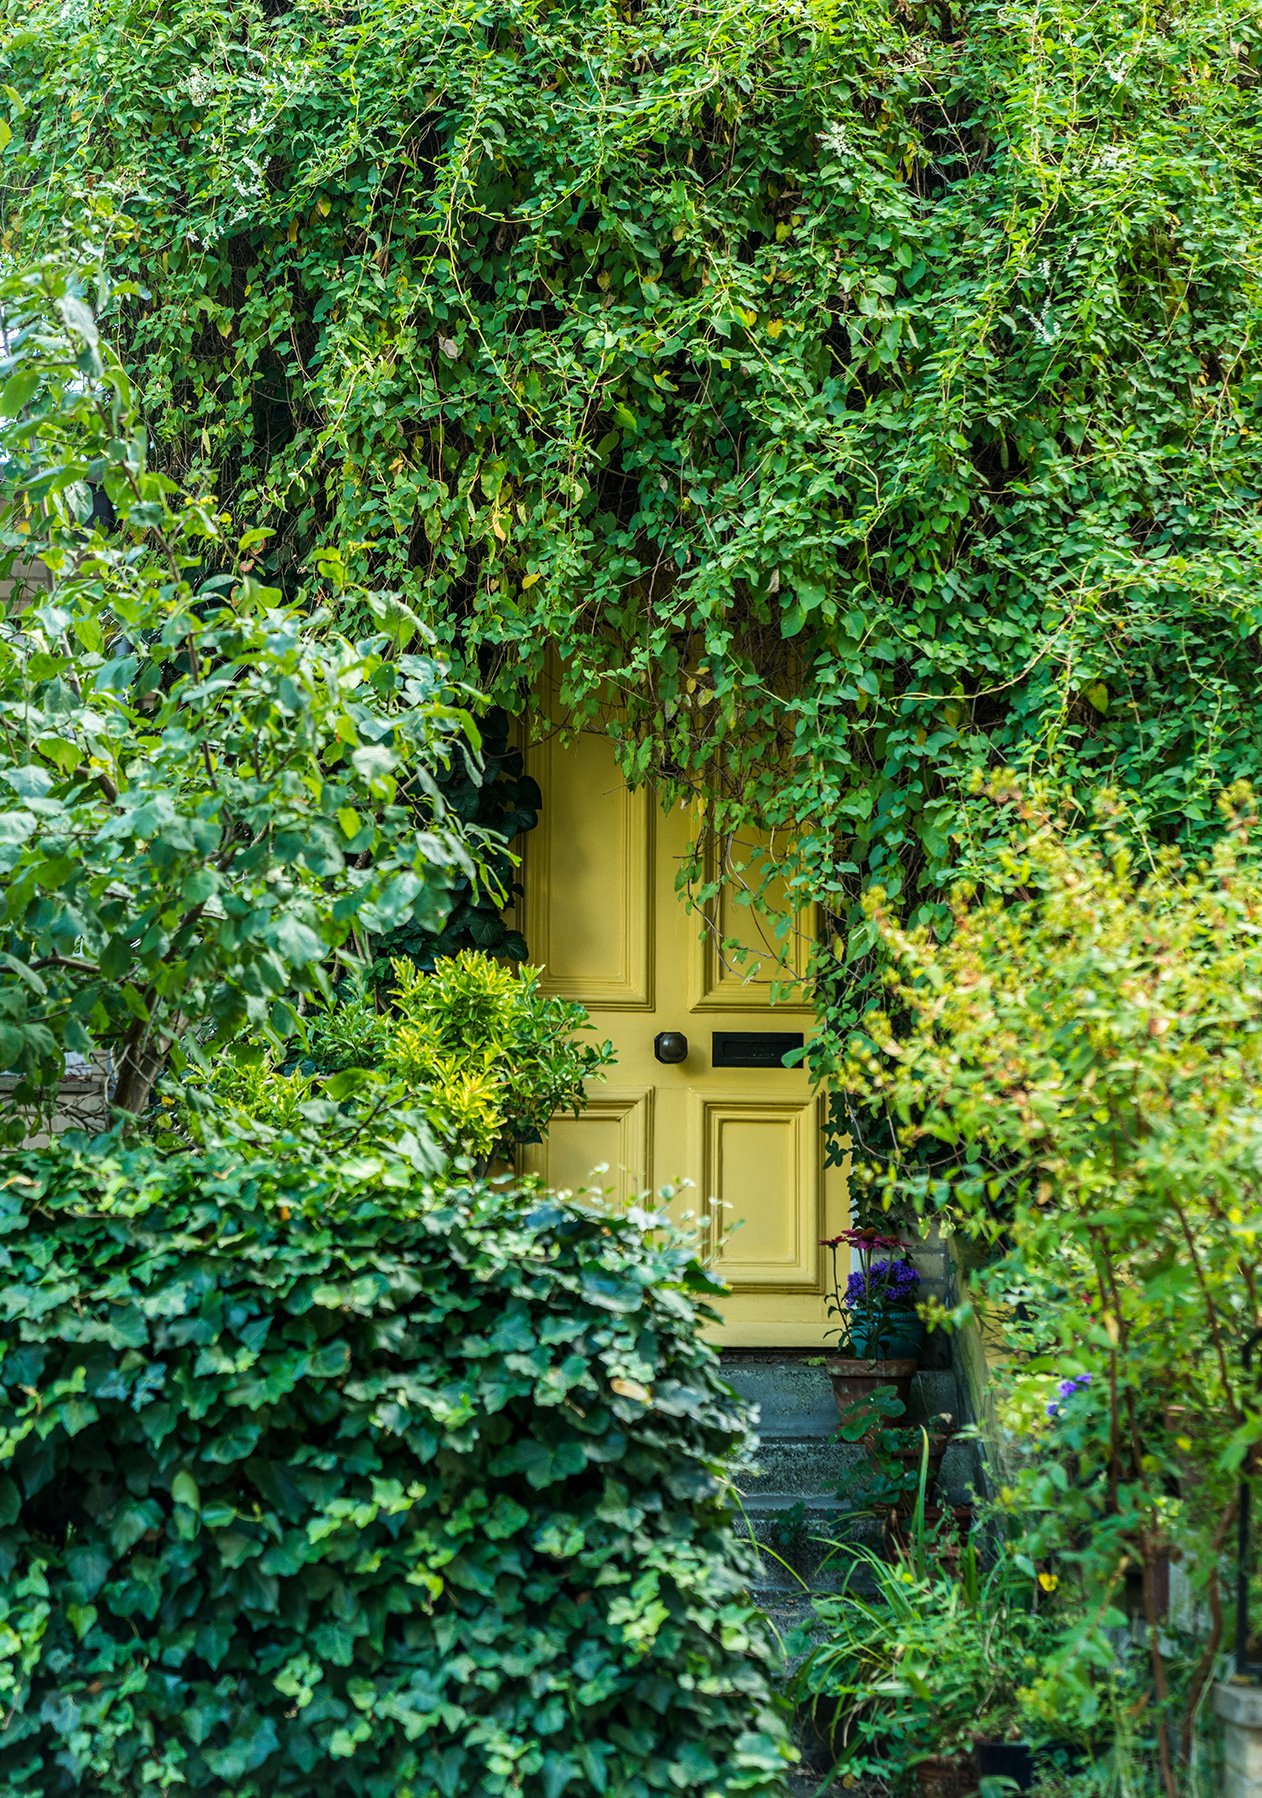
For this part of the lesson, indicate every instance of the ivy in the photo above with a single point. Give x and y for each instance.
(312, 1480)
(497, 798)
(857, 395)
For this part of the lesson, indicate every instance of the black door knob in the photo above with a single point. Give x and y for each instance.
(670, 1045)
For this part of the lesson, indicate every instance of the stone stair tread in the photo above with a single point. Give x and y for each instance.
(759, 1499)
(797, 1403)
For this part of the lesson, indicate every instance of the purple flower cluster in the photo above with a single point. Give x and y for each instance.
(1067, 1388)
(891, 1283)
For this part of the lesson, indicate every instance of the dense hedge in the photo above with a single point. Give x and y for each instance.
(304, 1495)
(862, 390)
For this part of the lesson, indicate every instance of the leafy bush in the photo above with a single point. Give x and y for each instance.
(471, 1053)
(212, 794)
(1076, 1080)
(499, 1056)
(313, 1481)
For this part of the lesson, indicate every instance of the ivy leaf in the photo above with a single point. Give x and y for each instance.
(185, 1491)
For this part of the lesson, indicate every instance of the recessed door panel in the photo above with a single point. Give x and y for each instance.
(591, 865)
(605, 1149)
(761, 1162)
(748, 956)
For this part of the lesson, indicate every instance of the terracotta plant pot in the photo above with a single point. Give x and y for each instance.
(910, 1455)
(855, 1381)
(947, 1776)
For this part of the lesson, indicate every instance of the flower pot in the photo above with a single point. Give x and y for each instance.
(1009, 1760)
(911, 1453)
(947, 1776)
(1019, 1762)
(897, 1339)
(855, 1381)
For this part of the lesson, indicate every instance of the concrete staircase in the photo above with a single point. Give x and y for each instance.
(795, 1499)
(797, 1490)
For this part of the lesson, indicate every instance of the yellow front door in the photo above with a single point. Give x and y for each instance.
(603, 917)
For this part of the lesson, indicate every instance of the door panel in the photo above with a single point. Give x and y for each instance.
(762, 1158)
(594, 936)
(740, 1150)
(742, 958)
(614, 1134)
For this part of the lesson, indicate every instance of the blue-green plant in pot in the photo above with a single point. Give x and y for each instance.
(881, 1299)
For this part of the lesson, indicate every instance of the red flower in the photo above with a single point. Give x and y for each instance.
(864, 1239)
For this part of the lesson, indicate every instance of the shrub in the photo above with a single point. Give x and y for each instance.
(914, 1658)
(1076, 1079)
(312, 1482)
(499, 1056)
(212, 795)
(472, 1054)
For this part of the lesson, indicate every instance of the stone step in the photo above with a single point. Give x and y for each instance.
(794, 1504)
(816, 1785)
(802, 1544)
(935, 1393)
(837, 1471)
(803, 1466)
(794, 1396)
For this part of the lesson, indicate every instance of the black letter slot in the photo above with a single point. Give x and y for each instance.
(753, 1048)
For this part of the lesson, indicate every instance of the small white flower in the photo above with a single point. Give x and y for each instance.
(199, 85)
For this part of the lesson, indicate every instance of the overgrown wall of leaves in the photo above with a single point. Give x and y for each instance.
(858, 392)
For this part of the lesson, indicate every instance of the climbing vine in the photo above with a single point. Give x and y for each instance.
(857, 395)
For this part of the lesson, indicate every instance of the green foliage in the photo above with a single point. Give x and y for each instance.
(471, 1054)
(914, 1659)
(313, 1480)
(887, 1482)
(484, 1040)
(212, 794)
(495, 796)
(1076, 1079)
(859, 393)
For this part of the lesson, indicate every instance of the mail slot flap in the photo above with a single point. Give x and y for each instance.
(753, 1048)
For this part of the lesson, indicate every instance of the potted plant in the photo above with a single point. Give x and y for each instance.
(902, 1459)
(879, 1332)
(1013, 1761)
(1020, 1763)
